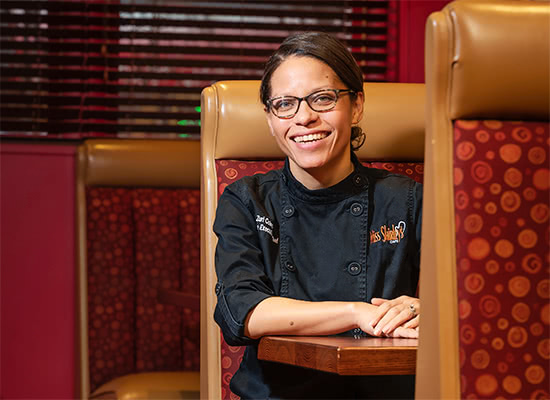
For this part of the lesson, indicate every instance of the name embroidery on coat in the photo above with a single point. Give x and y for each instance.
(264, 224)
(389, 234)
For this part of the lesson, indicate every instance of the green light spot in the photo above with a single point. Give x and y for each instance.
(183, 135)
(189, 122)
(198, 109)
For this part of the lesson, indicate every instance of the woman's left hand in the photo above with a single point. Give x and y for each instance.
(403, 311)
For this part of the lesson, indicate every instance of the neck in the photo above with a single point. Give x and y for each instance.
(324, 176)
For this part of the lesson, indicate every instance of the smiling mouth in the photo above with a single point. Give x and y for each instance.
(310, 138)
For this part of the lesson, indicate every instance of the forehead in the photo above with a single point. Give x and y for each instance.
(299, 76)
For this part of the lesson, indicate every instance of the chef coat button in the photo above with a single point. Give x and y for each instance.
(290, 266)
(218, 289)
(358, 180)
(356, 209)
(354, 268)
(288, 211)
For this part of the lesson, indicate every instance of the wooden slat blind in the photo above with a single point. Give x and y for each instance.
(74, 69)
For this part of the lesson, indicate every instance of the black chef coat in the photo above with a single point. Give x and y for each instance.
(353, 241)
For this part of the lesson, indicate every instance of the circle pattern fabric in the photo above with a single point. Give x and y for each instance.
(111, 284)
(228, 171)
(139, 241)
(501, 189)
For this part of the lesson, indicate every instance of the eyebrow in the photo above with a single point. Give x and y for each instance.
(312, 91)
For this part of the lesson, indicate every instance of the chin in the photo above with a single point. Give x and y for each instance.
(310, 163)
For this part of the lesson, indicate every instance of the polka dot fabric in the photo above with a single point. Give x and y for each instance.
(189, 228)
(501, 187)
(228, 171)
(157, 266)
(140, 241)
(111, 284)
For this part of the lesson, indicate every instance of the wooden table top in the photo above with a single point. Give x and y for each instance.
(342, 355)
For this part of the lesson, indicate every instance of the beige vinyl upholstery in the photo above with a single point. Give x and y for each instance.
(484, 60)
(128, 163)
(233, 126)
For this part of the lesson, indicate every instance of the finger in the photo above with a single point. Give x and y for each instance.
(413, 323)
(414, 306)
(405, 333)
(409, 333)
(399, 320)
(380, 312)
(388, 318)
(378, 301)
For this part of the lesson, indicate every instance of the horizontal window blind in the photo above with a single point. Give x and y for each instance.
(75, 69)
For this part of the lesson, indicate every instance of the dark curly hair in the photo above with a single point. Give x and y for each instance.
(325, 48)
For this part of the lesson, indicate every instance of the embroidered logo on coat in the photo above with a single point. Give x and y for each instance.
(264, 224)
(387, 234)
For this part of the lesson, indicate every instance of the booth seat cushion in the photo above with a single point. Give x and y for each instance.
(502, 197)
(228, 171)
(151, 385)
(140, 241)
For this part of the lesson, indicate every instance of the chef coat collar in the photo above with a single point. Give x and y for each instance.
(355, 182)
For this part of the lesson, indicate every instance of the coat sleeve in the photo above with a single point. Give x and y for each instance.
(242, 282)
(417, 219)
(418, 192)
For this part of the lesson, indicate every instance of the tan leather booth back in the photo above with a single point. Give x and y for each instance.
(123, 163)
(151, 163)
(498, 67)
(393, 121)
(485, 59)
(233, 126)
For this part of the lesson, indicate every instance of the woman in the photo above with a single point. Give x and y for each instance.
(317, 269)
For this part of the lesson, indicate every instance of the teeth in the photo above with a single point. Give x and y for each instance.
(310, 138)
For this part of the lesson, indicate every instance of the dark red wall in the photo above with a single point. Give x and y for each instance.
(412, 21)
(37, 264)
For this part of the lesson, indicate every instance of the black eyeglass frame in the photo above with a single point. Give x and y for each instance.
(337, 92)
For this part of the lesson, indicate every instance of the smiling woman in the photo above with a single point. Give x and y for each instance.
(314, 268)
(317, 142)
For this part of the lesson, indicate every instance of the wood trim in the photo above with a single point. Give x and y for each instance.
(210, 356)
(438, 363)
(82, 386)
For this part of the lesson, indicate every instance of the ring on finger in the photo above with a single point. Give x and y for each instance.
(412, 310)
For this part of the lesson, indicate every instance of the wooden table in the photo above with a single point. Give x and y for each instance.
(342, 355)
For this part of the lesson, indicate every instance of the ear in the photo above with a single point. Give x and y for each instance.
(357, 108)
(268, 117)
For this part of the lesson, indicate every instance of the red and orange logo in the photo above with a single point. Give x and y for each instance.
(389, 234)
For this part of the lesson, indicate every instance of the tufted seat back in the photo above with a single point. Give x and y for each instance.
(236, 141)
(485, 240)
(138, 234)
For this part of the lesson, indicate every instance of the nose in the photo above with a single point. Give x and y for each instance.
(305, 114)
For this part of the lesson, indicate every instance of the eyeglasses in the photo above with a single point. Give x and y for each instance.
(286, 107)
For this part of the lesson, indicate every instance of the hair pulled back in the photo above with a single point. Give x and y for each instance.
(327, 49)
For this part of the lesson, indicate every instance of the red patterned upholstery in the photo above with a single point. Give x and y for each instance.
(502, 197)
(228, 171)
(139, 241)
(111, 284)
(412, 170)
